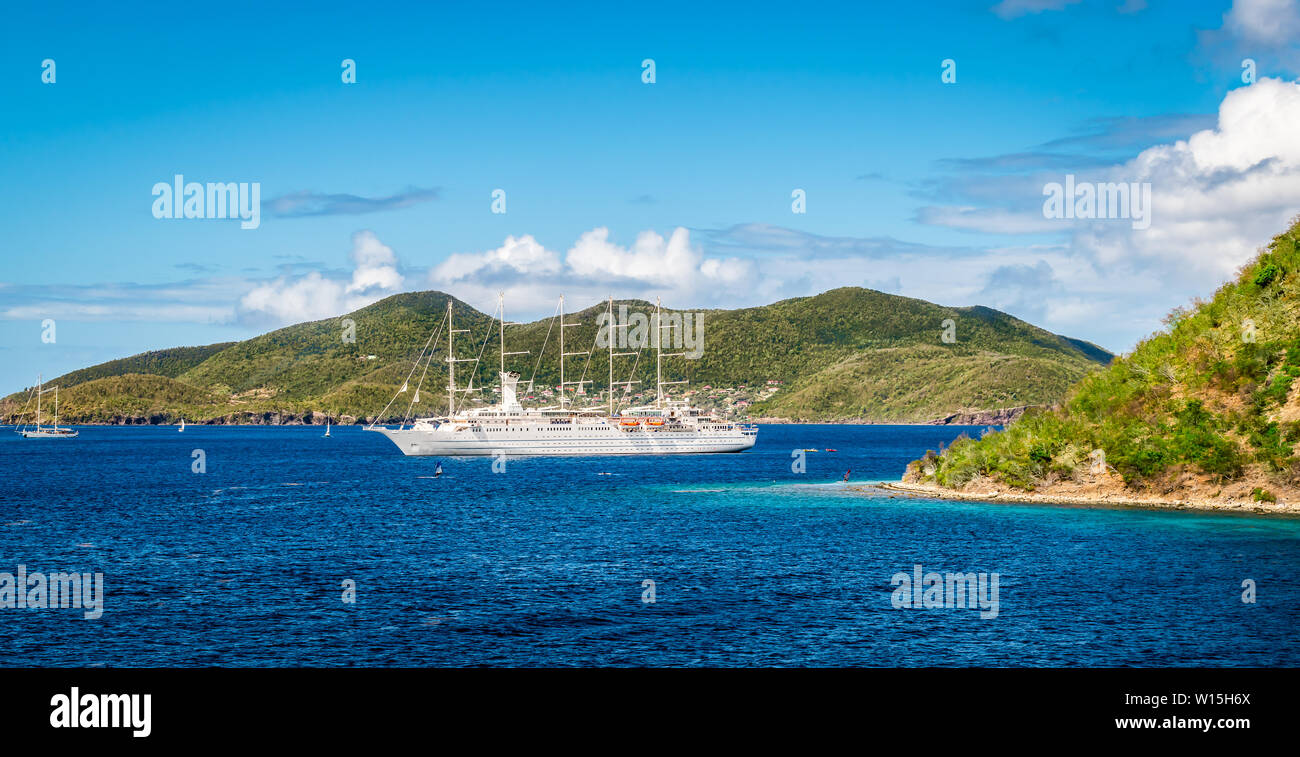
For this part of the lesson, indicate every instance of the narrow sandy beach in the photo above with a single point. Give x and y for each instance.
(1103, 500)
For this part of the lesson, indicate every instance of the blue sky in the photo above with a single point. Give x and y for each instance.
(913, 186)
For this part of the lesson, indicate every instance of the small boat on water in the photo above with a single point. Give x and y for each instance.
(327, 428)
(46, 432)
(437, 470)
(182, 428)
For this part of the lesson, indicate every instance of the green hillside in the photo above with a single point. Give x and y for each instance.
(150, 399)
(170, 363)
(846, 354)
(1208, 406)
(909, 383)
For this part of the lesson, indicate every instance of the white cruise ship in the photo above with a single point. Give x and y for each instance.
(667, 427)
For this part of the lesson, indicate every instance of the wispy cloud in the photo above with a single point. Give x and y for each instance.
(307, 203)
(1010, 9)
(1268, 22)
(200, 300)
(760, 239)
(291, 297)
(987, 220)
(1132, 133)
(1020, 162)
(1262, 30)
(196, 268)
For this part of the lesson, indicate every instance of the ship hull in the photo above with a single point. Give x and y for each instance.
(418, 442)
(49, 434)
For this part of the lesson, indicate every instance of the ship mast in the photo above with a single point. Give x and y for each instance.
(659, 355)
(609, 323)
(561, 352)
(613, 336)
(501, 305)
(451, 365)
(564, 384)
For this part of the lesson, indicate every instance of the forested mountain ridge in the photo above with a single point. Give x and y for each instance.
(847, 354)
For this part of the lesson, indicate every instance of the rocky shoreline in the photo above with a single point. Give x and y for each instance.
(1103, 499)
(233, 419)
(972, 418)
(998, 417)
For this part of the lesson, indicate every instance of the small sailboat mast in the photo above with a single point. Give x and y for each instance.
(49, 432)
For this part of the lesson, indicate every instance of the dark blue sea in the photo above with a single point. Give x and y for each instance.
(544, 564)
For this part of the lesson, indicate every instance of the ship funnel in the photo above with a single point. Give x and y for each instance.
(509, 401)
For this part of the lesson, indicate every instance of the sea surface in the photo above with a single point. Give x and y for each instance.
(546, 562)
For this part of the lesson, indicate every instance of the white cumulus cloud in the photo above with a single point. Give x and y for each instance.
(1217, 195)
(593, 268)
(314, 296)
(522, 255)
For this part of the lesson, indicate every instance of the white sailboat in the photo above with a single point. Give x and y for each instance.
(327, 427)
(664, 428)
(47, 432)
(182, 428)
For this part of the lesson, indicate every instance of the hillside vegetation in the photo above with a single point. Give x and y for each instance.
(847, 354)
(133, 396)
(170, 363)
(1208, 407)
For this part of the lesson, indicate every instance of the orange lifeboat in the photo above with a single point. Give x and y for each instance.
(629, 423)
(655, 422)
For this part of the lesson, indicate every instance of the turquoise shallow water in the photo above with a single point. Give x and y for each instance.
(544, 564)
